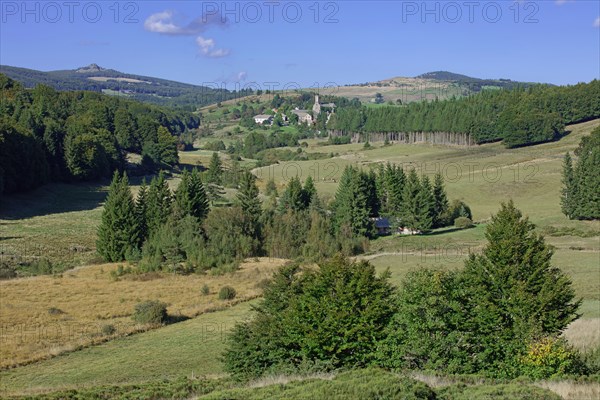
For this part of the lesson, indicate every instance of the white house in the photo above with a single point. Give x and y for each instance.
(261, 119)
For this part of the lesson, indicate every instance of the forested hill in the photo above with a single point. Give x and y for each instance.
(518, 117)
(143, 88)
(47, 135)
(473, 84)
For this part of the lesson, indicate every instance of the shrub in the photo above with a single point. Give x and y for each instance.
(463, 222)
(205, 290)
(227, 293)
(108, 329)
(150, 312)
(55, 311)
(551, 357)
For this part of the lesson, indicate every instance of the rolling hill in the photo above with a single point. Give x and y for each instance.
(142, 88)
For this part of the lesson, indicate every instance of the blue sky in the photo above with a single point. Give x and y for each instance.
(307, 42)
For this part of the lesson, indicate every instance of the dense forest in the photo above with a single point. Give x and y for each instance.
(581, 182)
(517, 117)
(142, 88)
(49, 136)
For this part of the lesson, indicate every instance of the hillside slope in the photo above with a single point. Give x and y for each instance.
(99, 79)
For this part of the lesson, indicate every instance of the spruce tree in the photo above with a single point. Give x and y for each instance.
(247, 198)
(159, 203)
(199, 206)
(182, 203)
(427, 203)
(416, 204)
(293, 196)
(215, 170)
(117, 232)
(440, 202)
(569, 190)
(309, 191)
(516, 292)
(354, 202)
(141, 213)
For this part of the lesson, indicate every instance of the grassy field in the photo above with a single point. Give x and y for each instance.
(59, 222)
(187, 348)
(48, 315)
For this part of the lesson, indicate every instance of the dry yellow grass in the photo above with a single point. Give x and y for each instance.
(584, 334)
(570, 390)
(43, 316)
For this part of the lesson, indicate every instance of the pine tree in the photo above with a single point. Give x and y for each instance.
(569, 190)
(415, 204)
(440, 202)
(353, 204)
(182, 205)
(309, 191)
(198, 196)
(247, 198)
(141, 213)
(516, 292)
(215, 170)
(117, 232)
(427, 199)
(293, 197)
(159, 203)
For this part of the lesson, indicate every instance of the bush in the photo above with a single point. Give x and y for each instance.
(550, 357)
(227, 293)
(463, 222)
(108, 329)
(205, 290)
(150, 312)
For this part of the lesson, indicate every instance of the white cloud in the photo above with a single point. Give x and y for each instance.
(561, 2)
(597, 23)
(163, 23)
(207, 48)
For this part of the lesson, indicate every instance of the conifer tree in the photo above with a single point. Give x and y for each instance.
(440, 202)
(309, 191)
(293, 196)
(416, 210)
(517, 291)
(182, 204)
(117, 232)
(215, 170)
(354, 202)
(198, 196)
(247, 198)
(141, 213)
(159, 203)
(569, 190)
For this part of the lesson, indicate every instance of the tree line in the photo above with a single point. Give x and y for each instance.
(518, 117)
(194, 229)
(48, 135)
(501, 316)
(581, 182)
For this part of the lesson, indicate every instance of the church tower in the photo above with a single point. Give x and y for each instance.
(317, 107)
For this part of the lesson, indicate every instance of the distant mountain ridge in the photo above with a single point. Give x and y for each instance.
(472, 83)
(143, 88)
